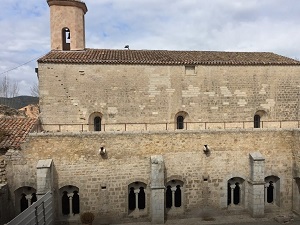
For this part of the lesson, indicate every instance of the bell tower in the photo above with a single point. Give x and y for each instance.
(67, 24)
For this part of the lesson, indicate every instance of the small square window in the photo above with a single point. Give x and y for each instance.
(190, 70)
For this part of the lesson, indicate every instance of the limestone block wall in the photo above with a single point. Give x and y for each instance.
(296, 154)
(103, 180)
(2, 170)
(155, 94)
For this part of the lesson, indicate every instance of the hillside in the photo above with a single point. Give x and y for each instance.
(19, 102)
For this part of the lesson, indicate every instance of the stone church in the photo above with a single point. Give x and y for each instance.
(148, 135)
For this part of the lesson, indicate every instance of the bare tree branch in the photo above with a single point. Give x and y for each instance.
(34, 90)
(7, 88)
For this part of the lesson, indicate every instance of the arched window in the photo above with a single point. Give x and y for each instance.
(33, 198)
(142, 199)
(178, 196)
(137, 198)
(228, 194)
(131, 199)
(257, 121)
(23, 202)
(272, 190)
(66, 39)
(174, 195)
(235, 191)
(70, 204)
(169, 197)
(258, 116)
(25, 196)
(65, 203)
(180, 122)
(97, 123)
(75, 203)
(237, 194)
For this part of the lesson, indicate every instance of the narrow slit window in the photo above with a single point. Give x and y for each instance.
(256, 121)
(65, 203)
(131, 199)
(23, 202)
(180, 122)
(97, 123)
(178, 196)
(236, 193)
(270, 192)
(168, 197)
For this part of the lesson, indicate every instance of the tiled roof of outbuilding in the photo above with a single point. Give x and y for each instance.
(13, 131)
(164, 57)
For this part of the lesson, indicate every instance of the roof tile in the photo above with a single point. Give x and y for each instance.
(14, 131)
(164, 57)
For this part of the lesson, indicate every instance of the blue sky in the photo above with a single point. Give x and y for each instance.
(218, 25)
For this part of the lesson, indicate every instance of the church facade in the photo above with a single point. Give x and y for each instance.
(156, 134)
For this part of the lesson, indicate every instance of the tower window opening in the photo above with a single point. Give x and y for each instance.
(66, 39)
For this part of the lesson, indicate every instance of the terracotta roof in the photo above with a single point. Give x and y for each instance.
(164, 57)
(13, 131)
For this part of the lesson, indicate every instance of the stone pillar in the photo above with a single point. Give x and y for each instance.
(157, 189)
(173, 189)
(232, 186)
(44, 177)
(71, 203)
(257, 185)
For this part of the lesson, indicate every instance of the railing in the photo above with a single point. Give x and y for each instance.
(169, 126)
(39, 213)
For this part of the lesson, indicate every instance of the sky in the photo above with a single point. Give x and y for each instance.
(208, 25)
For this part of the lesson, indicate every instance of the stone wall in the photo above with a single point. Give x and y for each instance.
(5, 203)
(2, 170)
(103, 180)
(155, 94)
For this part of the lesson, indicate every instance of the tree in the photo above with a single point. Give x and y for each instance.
(8, 88)
(34, 90)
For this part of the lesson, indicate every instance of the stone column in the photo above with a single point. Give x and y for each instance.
(71, 203)
(257, 185)
(44, 177)
(157, 189)
(266, 193)
(136, 192)
(173, 189)
(232, 194)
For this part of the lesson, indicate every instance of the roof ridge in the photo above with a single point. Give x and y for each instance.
(166, 57)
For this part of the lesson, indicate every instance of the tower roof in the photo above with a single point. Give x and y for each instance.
(76, 3)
